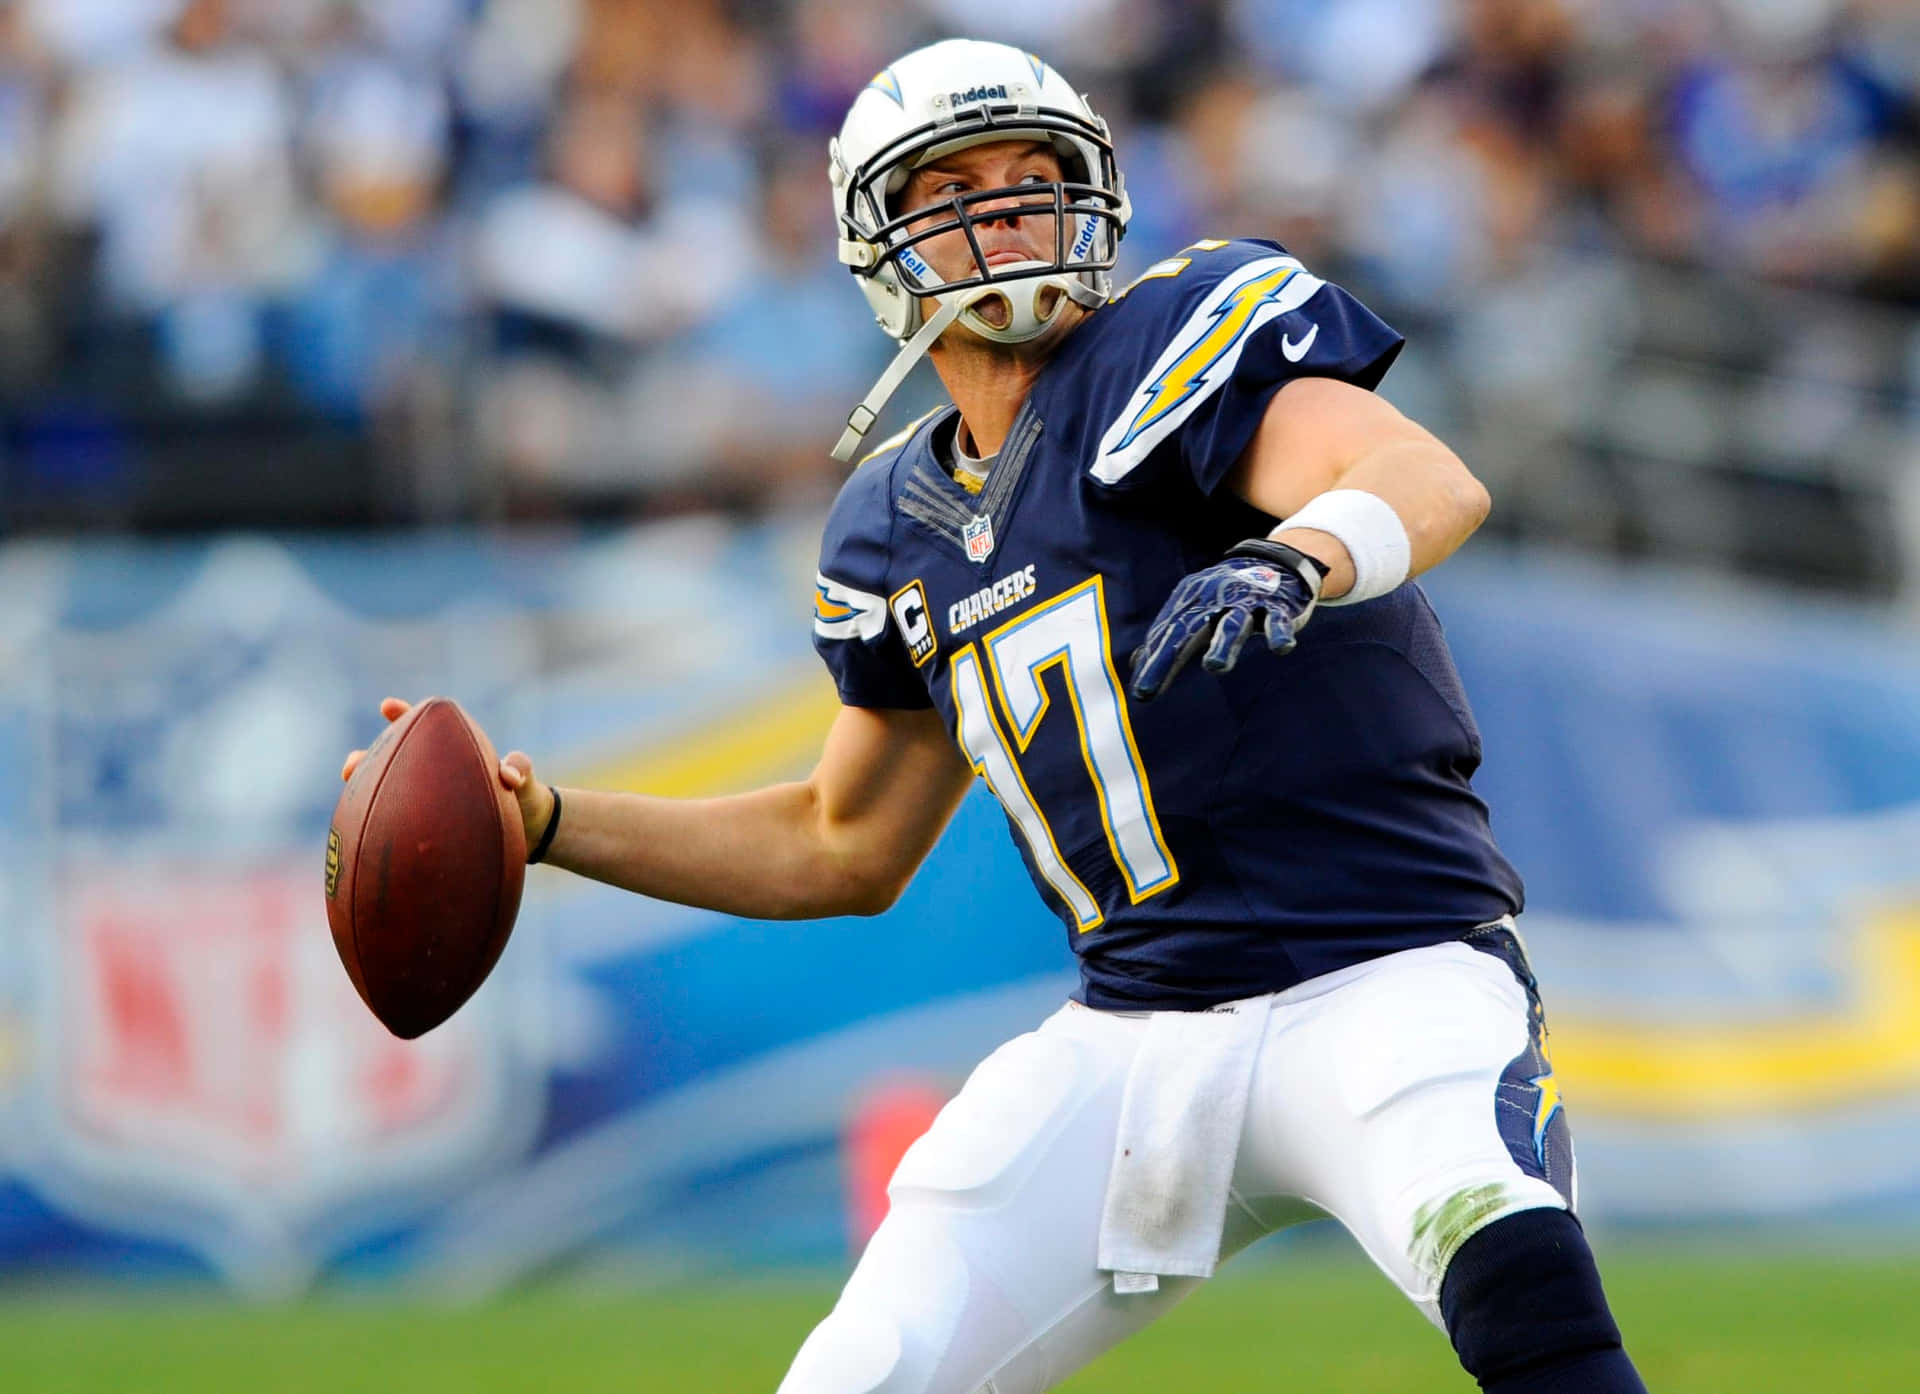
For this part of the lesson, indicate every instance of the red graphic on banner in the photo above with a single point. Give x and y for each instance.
(208, 1021)
(887, 1120)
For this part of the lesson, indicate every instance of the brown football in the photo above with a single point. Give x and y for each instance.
(425, 863)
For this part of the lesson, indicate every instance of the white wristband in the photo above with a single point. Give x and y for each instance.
(1369, 529)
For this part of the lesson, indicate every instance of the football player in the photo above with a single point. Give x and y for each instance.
(1301, 988)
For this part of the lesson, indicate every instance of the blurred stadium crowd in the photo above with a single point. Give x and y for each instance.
(285, 262)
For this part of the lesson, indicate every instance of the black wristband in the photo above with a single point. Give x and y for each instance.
(1310, 568)
(538, 854)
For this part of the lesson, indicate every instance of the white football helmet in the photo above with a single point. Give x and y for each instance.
(934, 101)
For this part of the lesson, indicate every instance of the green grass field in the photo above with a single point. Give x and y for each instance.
(1744, 1323)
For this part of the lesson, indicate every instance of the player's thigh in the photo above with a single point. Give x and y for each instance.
(984, 1266)
(1416, 1105)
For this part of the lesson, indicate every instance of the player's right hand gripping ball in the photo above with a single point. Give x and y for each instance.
(1257, 581)
(425, 863)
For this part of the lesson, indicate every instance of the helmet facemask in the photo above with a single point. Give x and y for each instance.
(937, 101)
(1087, 224)
(1089, 208)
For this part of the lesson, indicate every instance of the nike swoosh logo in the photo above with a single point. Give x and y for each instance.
(1295, 352)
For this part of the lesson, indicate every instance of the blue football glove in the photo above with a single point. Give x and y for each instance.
(1256, 580)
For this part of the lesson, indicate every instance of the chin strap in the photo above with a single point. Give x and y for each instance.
(860, 420)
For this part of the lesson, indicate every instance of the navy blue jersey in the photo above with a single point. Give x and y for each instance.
(1241, 833)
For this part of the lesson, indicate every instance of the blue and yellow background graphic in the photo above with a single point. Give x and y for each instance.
(1713, 799)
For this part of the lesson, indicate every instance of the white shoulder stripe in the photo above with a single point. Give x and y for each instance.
(899, 437)
(841, 612)
(1201, 357)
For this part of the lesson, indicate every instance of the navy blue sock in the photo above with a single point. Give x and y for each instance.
(1523, 1303)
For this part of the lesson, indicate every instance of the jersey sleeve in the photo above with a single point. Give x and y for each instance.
(853, 628)
(1234, 325)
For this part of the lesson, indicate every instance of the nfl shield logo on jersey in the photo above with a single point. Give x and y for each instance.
(979, 536)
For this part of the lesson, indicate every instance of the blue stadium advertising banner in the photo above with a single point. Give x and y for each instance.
(1714, 796)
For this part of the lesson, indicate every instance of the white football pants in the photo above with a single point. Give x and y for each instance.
(1374, 1100)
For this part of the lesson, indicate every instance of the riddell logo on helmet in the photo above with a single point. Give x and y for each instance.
(996, 93)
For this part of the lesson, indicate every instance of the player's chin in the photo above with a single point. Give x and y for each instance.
(962, 335)
(999, 314)
(995, 312)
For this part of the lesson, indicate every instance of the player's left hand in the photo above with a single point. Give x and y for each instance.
(516, 773)
(1258, 580)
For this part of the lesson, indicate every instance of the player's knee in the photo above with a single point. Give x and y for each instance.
(1524, 1307)
(854, 1351)
(903, 1313)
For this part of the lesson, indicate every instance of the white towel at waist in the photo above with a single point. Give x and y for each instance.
(1180, 1121)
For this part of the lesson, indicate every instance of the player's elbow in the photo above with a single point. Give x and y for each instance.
(876, 883)
(856, 885)
(851, 893)
(1472, 500)
(828, 896)
(877, 897)
(1467, 499)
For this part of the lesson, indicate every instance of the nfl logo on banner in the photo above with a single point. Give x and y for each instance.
(979, 537)
(211, 1079)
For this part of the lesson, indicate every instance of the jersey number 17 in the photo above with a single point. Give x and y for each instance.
(1069, 631)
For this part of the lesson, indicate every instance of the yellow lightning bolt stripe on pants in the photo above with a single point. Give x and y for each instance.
(1548, 1104)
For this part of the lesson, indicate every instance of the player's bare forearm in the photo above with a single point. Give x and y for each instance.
(1439, 503)
(1320, 434)
(764, 854)
(844, 841)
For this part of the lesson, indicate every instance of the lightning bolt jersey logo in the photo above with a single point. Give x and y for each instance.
(1201, 357)
(841, 612)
